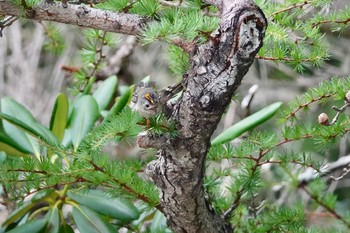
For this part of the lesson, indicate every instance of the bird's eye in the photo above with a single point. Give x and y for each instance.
(147, 105)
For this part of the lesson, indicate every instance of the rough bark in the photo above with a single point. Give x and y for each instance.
(78, 15)
(217, 69)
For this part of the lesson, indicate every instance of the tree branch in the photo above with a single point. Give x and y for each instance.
(310, 174)
(79, 15)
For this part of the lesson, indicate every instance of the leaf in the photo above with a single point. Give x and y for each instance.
(85, 113)
(45, 133)
(18, 213)
(247, 124)
(65, 228)
(88, 221)
(27, 206)
(11, 148)
(89, 85)
(45, 195)
(11, 151)
(13, 108)
(159, 223)
(120, 103)
(18, 111)
(40, 132)
(59, 116)
(33, 226)
(112, 207)
(105, 92)
(53, 220)
(67, 139)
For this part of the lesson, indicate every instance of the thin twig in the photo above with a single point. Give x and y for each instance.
(226, 215)
(100, 53)
(346, 171)
(122, 184)
(295, 5)
(77, 180)
(328, 208)
(345, 21)
(301, 106)
(339, 111)
(115, 62)
(247, 100)
(281, 59)
(7, 22)
(96, 63)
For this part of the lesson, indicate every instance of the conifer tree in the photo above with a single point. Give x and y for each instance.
(212, 44)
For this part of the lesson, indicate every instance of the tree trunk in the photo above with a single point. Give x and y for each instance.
(217, 68)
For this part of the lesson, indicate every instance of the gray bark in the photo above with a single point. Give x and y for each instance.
(78, 15)
(217, 69)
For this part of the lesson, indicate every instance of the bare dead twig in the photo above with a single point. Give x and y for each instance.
(6, 22)
(115, 62)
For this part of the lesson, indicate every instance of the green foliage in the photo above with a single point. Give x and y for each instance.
(113, 5)
(336, 88)
(69, 158)
(54, 42)
(247, 124)
(84, 115)
(117, 129)
(88, 220)
(17, 111)
(243, 178)
(35, 226)
(53, 219)
(93, 58)
(105, 91)
(271, 220)
(178, 60)
(159, 125)
(181, 25)
(294, 36)
(25, 5)
(59, 117)
(100, 202)
(11, 147)
(145, 7)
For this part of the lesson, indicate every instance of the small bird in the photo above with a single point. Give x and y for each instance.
(148, 102)
(145, 100)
